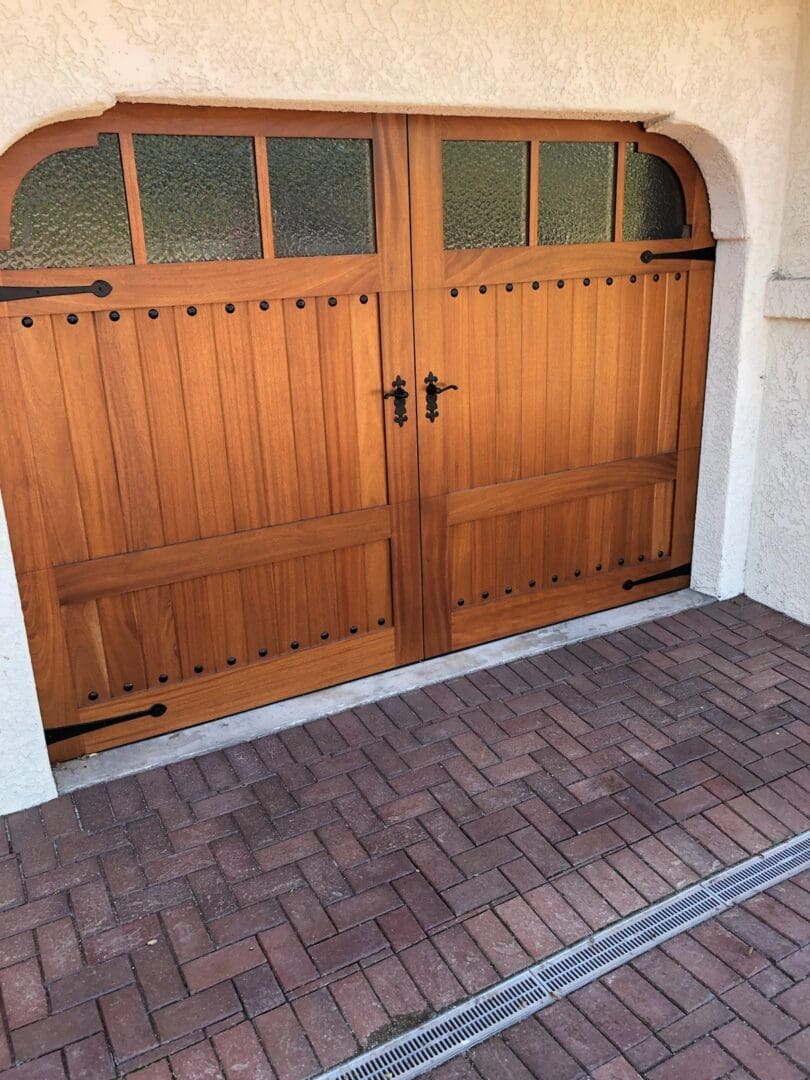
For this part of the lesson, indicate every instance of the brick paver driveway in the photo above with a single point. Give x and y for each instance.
(293, 898)
(731, 998)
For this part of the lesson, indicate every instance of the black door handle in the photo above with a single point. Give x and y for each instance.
(400, 396)
(432, 392)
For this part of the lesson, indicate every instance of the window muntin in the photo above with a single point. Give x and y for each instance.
(486, 193)
(70, 210)
(322, 196)
(199, 199)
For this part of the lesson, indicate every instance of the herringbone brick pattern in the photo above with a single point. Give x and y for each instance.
(731, 998)
(286, 901)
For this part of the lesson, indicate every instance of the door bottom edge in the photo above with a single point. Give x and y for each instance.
(189, 742)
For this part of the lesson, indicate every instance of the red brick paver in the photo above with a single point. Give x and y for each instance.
(327, 885)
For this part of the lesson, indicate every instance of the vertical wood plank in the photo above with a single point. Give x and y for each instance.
(52, 668)
(672, 363)
(85, 646)
(583, 355)
(368, 399)
(303, 351)
(651, 361)
(337, 386)
(558, 375)
(534, 359)
(158, 635)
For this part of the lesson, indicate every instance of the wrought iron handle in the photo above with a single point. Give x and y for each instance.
(400, 396)
(32, 292)
(432, 392)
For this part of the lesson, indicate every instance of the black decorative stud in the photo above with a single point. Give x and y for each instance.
(482, 289)
(454, 292)
(300, 303)
(535, 285)
(93, 695)
(294, 644)
(660, 554)
(198, 668)
(332, 301)
(508, 590)
(115, 316)
(231, 661)
(656, 277)
(598, 566)
(678, 276)
(129, 687)
(633, 279)
(73, 319)
(586, 281)
(485, 596)
(262, 651)
(621, 562)
(577, 573)
(560, 284)
(532, 583)
(153, 313)
(609, 281)
(352, 629)
(381, 621)
(509, 287)
(460, 603)
(28, 322)
(264, 305)
(230, 308)
(191, 310)
(641, 558)
(163, 677)
(364, 299)
(554, 578)
(324, 635)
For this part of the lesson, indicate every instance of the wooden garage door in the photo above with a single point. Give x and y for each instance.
(210, 503)
(247, 452)
(562, 282)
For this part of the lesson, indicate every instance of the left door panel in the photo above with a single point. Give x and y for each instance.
(209, 502)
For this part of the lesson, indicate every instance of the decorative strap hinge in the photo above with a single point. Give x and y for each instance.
(70, 731)
(34, 292)
(676, 571)
(706, 254)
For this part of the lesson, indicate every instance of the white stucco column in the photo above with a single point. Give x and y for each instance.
(25, 771)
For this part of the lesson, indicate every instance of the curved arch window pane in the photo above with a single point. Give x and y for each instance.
(70, 210)
(198, 197)
(486, 193)
(654, 206)
(576, 192)
(322, 196)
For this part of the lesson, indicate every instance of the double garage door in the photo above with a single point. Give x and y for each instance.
(290, 398)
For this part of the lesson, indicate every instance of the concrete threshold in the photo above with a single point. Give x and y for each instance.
(242, 727)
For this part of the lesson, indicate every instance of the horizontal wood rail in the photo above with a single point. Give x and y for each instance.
(77, 582)
(230, 692)
(509, 498)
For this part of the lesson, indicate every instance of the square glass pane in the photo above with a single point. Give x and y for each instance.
(322, 195)
(654, 207)
(198, 197)
(486, 193)
(577, 184)
(71, 210)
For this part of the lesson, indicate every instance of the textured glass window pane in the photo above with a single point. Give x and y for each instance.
(653, 199)
(486, 193)
(576, 192)
(198, 197)
(70, 210)
(322, 196)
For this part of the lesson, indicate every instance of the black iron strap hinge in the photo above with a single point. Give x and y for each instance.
(701, 254)
(676, 571)
(70, 731)
(34, 292)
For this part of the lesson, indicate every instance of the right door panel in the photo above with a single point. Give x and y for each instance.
(564, 465)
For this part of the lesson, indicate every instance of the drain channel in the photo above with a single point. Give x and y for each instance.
(490, 1012)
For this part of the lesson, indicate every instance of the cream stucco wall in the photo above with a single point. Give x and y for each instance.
(778, 568)
(716, 74)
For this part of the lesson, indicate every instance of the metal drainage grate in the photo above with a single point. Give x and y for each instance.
(464, 1026)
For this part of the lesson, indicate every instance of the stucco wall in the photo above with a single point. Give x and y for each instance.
(778, 570)
(716, 74)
